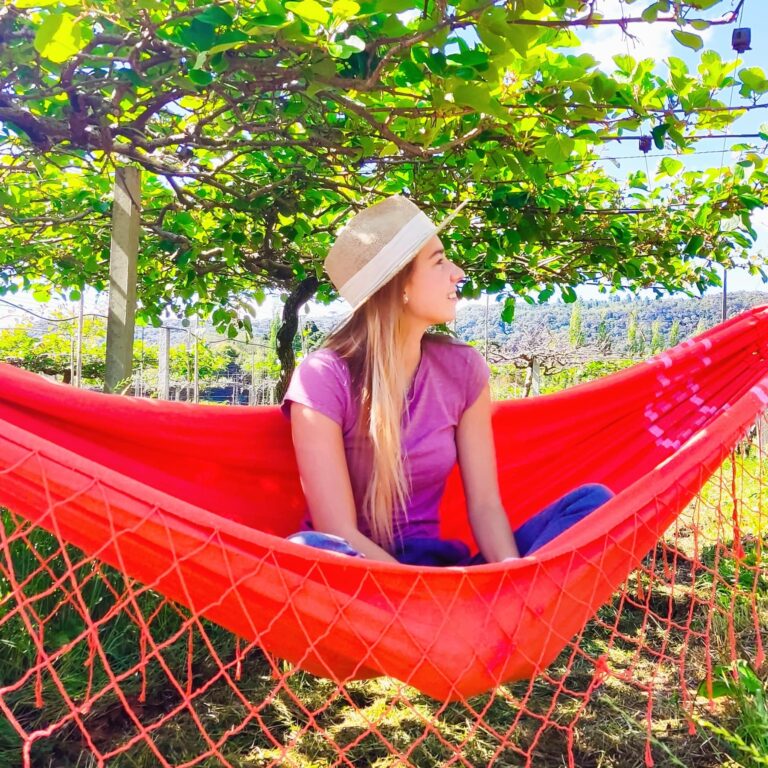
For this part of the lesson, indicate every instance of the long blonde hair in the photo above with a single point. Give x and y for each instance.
(370, 343)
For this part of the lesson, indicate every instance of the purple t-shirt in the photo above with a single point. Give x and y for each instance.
(449, 378)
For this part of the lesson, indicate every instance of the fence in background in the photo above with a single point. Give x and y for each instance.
(246, 380)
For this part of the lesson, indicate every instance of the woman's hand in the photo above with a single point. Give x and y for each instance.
(477, 462)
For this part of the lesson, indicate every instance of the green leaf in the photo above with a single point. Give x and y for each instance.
(520, 37)
(558, 148)
(669, 166)
(688, 39)
(659, 132)
(347, 47)
(41, 293)
(390, 148)
(42, 3)
(268, 20)
(651, 12)
(754, 81)
(471, 58)
(197, 35)
(569, 295)
(508, 311)
(625, 63)
(59, 37)
(750, 201)
(214, 15)
(309, 10)
(436, 63)
(694, 245)
(232, 38)
(345, 9)
(393, 6)
(473, 96)
(412, 72)
(200, 76)
(748, 679)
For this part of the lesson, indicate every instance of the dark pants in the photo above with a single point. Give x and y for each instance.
(533, 534)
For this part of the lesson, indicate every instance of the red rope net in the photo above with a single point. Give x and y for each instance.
(99, 667)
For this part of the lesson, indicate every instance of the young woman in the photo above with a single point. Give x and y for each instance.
(383, 410)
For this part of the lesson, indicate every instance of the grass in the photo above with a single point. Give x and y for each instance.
(741, 684)
(658, 640)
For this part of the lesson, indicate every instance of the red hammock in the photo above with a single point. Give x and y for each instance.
(193, 501)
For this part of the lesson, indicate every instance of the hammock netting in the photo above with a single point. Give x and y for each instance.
(151, 612)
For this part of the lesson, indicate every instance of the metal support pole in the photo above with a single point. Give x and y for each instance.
(164, 364)
(72, 360)
(725, 294)
(196, 396)
(79, 365)
(140, 387)
(252, 398)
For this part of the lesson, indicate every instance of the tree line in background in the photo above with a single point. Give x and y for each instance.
(227, 368)
(571, 342)
(621, 324)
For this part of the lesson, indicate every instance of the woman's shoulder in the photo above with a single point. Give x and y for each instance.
(321, 381)
(323, 364)
(459, 368)
(323, 358)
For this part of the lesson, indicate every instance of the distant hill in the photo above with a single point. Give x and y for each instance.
(615, 313)
(554, 317)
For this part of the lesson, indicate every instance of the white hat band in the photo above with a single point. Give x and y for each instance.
(392, 255)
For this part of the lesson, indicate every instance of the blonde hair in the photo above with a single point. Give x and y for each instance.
(370, 343)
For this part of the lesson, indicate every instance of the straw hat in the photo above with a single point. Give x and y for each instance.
(376, 244)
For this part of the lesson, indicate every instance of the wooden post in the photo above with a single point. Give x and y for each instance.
(122, 277)
(164, 364)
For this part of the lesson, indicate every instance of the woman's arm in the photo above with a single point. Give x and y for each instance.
(319, 446)
(477, 462)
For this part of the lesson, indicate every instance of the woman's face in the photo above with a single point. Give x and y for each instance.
(431, 286)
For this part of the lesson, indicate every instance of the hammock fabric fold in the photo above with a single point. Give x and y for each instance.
(194, 500)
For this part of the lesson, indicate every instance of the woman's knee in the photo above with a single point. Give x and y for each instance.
(597, 492)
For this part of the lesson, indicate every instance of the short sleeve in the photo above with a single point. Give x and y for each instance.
(478, 375)
(321, 382)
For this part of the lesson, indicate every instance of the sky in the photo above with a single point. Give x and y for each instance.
(656, 41)
(647, 41)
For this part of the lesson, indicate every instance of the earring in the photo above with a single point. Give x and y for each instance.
(405, 297)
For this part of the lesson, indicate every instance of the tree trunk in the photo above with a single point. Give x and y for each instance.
(303, 292)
